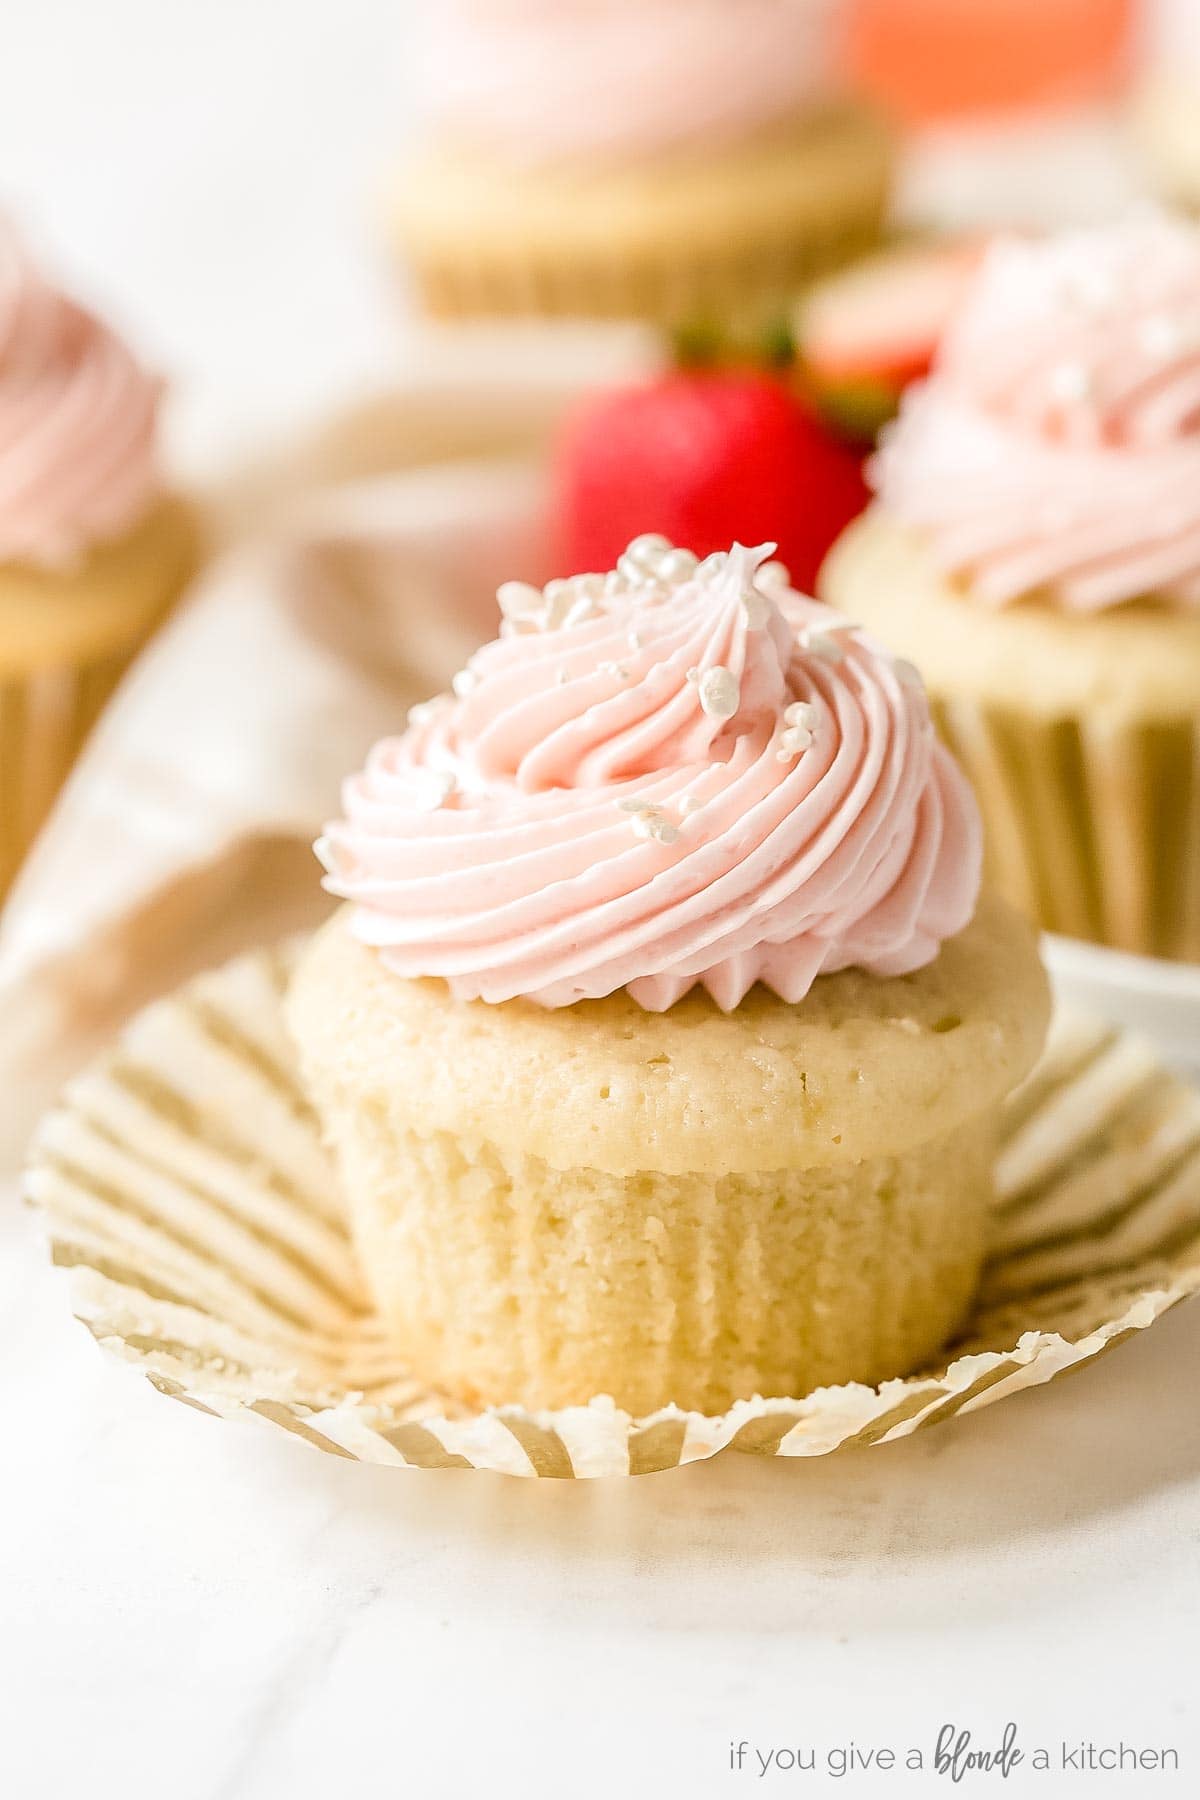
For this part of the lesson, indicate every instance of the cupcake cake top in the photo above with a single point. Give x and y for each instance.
(542, 80)
(675, 775)
(78, 422)
(1056, 448)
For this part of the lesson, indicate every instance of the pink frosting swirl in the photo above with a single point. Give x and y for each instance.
(546, 79)
(78, 419)
(664, 778)
(1056, 447)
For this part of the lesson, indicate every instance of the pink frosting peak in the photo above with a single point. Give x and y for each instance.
(540, 80)
(1056, 447)
(78, 420)
(671, 776)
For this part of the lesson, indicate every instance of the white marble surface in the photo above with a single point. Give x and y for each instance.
(192, 1610)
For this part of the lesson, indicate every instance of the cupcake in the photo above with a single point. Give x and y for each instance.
(1166, 109)
(663, 1040)
(1036, 543)
(92, 549)
(601, 158)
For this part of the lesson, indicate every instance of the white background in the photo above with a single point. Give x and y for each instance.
(191, 1610)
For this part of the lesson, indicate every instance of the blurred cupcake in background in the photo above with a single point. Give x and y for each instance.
(1036, 543)
(1167, 108)
(1011, 106)
(636, 158)
(92, 548)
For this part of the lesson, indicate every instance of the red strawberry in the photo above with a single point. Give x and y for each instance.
(708, 458)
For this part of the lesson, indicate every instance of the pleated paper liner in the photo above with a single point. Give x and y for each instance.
(1093, 830)
(186, 1190)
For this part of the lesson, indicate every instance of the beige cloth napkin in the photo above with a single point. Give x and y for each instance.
(360, 570)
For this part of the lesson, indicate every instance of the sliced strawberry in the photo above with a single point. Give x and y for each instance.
(864, 335)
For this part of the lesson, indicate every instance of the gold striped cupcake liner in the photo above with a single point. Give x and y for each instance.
(672, 289)
(186, 1190)
(45, 718)
(1093, 829)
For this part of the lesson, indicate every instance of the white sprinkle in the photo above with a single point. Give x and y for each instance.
(689, 805)
(1092, 289)
(465, 682)
(756, 609)
(677, 566)
(519, 599)
(635, 640)
(616, 670)
(635, 805)
(782, 756)
(425, 710)
(821, 643)
(649, 549)
(720, 695)
(908, 674)
(1160, 337)
(650, 822)
(434, 789)
(693, 675)
(561, 677)
(581, 608)
(774, 575)
(802, 713)
(1071, 382)
(795, 739)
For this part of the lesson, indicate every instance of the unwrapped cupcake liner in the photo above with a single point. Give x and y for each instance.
(1093, 828)
(185, 1188)
(45, 718)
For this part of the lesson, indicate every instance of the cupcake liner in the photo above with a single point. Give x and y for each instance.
(1093, 829)
(673, 239)
(674, 284)
(185, 1188)
(45, 717)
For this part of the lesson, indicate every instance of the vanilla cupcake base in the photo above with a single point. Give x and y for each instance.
(1080, 734)
(1167, 129)
(67, 636)
(694, 234)
(685, 1207)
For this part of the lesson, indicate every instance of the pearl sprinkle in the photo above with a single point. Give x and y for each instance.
(650, 821)
(720, 695)
(650, 565)
(800, 720)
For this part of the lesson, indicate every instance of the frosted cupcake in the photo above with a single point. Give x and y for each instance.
(1036, 542)
(662, 1043)
(661, 158)
(92, 550)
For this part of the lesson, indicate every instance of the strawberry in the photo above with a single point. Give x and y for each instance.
(864, 334)
(707, 457)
